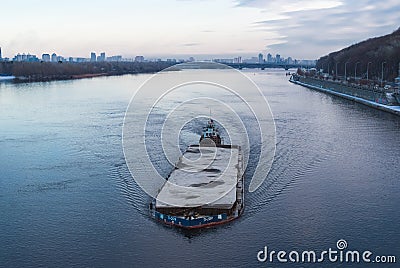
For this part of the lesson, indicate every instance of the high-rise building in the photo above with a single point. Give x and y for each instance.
(46, 57)
(25, 57)
(237, 60)
(260, 58)
(139, 59)
(102, 56)
(114, 58)
(92, 57)
(0, 54)
(278, 58)
(54, 57)
(17, 57)
(269, 57)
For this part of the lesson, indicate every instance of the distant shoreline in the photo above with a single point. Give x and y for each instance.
(22, 79)
(24, 72)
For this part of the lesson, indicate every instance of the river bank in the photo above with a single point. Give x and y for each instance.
(22, 72)
(342, 92)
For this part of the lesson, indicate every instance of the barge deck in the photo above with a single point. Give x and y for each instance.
(206, 186)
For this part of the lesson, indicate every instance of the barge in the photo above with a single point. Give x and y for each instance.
(206, 186)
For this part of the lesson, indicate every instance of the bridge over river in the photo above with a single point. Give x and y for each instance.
(263, 66)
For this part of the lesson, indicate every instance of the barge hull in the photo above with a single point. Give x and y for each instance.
(206, 225)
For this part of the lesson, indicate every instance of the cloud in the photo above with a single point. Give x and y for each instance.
(290, 5)
(190, 44)
(318, 27)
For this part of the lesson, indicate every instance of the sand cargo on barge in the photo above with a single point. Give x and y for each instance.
(207, 171)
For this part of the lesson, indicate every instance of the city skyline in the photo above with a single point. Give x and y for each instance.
(101, 57)
(184, 28)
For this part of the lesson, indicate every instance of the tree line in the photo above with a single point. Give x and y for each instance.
(43, 71)
(374, 55)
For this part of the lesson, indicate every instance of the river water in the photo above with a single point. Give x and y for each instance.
(67, 198)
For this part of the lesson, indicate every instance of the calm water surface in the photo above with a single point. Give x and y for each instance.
(68, 199)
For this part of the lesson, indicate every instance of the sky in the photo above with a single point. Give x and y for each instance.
(201, 28)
